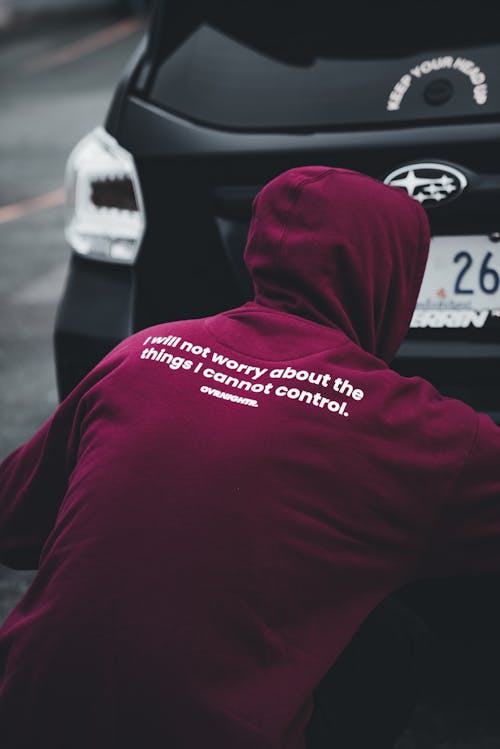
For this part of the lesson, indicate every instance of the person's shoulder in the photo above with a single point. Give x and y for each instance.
(122, 367)
(426, 409)
(154, 335)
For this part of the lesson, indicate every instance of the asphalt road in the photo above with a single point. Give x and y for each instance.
(56, 85)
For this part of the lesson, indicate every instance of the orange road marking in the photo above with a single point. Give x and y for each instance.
(82, 47)
(30, 205)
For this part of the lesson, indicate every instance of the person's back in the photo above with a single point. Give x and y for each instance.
(235, 495)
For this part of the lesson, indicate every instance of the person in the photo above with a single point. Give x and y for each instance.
(220, 508)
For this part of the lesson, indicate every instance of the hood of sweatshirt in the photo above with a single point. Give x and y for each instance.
(341, 249)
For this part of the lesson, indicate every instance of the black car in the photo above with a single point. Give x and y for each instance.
(221, 97)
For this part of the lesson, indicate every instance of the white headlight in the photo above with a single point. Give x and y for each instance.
(104, 209)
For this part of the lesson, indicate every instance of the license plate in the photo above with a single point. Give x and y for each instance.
(461, 285)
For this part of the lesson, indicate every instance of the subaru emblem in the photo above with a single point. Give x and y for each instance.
(428, 183)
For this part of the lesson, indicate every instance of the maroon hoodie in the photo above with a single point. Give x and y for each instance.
(220, 503)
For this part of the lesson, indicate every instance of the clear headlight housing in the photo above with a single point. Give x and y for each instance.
(105, 217)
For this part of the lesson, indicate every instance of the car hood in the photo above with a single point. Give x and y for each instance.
(342, 249)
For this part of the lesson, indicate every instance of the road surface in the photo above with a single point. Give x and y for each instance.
(56, 85)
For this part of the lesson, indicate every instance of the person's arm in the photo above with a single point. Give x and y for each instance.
(34, 478)
(33, 481)
(466, 540)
